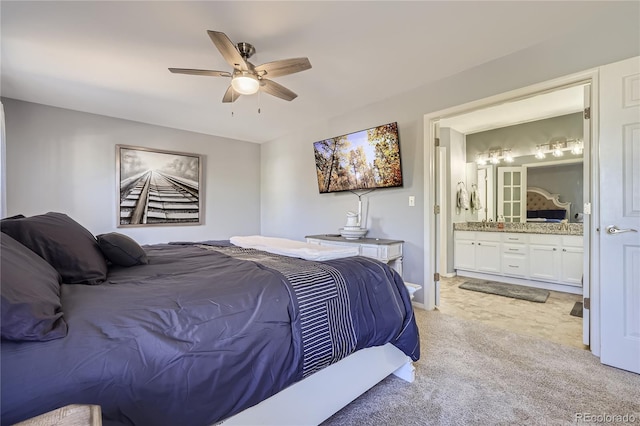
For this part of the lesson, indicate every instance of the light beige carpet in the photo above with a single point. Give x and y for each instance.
(474, 374)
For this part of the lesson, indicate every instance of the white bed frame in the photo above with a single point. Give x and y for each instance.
(324, 393)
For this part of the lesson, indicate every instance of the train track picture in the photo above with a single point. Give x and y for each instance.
(158, 187)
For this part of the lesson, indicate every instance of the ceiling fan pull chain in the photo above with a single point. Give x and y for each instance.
(259, 100)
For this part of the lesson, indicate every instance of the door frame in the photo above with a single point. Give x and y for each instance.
(591, 266)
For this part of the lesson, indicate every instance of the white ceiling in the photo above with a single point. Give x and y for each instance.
(552, 104)
(111, 58)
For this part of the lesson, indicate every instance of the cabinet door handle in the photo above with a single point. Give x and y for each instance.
(564, 249)
(554, 249)
(479, 244)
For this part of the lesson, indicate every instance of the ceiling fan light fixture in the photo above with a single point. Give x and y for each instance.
(245, 83)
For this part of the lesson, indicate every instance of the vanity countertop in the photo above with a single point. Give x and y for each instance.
(528, 228)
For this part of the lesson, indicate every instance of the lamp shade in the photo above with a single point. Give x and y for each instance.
(245, 83)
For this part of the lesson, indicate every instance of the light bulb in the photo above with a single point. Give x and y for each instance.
(245, 83)
(557, 152)
(577, 148)
(508, 157)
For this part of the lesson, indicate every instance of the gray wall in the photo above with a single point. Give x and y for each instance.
(63, 160)
(291, 204)
(522, 139)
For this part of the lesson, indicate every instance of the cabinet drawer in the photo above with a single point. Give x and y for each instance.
(515, 238)
(572, 240)
(514, 264)
(380, 252)
(514, 248)
(464, 235)
(544, 239)
(488, 236)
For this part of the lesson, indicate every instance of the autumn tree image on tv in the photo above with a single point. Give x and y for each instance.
(367, 159)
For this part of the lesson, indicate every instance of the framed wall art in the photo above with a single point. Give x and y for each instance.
(158, 187)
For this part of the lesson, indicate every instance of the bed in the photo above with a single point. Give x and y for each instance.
(194, 333)
(543, 206)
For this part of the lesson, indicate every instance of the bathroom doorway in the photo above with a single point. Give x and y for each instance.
(456, 132)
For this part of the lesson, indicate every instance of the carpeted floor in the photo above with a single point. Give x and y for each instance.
(473, 374)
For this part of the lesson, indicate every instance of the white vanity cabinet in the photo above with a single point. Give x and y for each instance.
(516, 256)
(572, 260)
(545, 257)
(464, 250)
(479, 251)
(556, 258)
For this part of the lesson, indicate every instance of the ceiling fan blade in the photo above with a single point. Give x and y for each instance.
(283, 67)
(211, 73)
(277, 90)
(228, 50)
(230, 95)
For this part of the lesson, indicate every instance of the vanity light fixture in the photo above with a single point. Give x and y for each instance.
(559, 147)
(494, 156)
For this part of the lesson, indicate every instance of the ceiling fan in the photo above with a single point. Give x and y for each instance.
(247, 79)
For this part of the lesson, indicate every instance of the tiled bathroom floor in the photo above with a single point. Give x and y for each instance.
(549, 320)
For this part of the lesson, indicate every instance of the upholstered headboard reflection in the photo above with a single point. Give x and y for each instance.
(543, 206)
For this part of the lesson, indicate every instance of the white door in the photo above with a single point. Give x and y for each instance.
(441, 258)
(588, 185)
(620, 214)
(512, 193)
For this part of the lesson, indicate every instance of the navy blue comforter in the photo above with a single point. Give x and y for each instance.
(203, 332)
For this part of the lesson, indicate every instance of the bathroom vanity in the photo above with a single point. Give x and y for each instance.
(544, 255)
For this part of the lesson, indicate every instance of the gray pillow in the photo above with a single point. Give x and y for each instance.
(67, 246)
(30, 288)
(121, 250)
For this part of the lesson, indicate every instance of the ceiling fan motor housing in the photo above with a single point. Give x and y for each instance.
(246, 49)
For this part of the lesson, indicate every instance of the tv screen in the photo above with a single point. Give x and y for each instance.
(367, 159)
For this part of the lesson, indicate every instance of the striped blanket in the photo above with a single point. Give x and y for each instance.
(323, 303)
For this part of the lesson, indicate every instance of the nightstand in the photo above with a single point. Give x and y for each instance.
(386, 251)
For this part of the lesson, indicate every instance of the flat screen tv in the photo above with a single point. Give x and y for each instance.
(364, 160)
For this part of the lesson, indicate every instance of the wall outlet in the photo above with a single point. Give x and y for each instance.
(412, 201)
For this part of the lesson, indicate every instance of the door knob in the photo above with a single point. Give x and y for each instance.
(612, 229)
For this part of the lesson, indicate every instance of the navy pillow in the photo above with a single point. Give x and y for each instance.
(30, 289)
(67, 246)
(121, 250)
